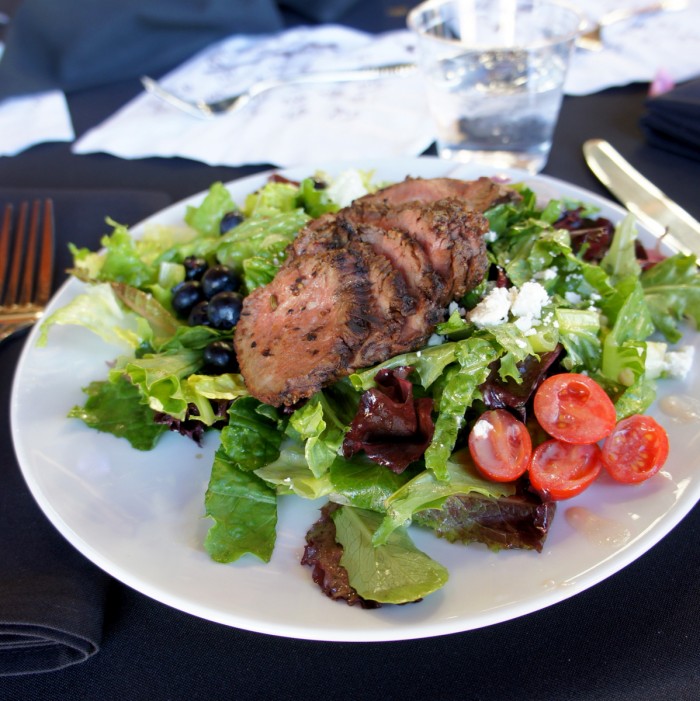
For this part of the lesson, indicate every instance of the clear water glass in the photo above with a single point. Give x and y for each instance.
(494, 72)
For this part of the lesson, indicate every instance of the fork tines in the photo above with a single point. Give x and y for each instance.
(26, 256)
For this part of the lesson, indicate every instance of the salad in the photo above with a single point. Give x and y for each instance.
(580, 303)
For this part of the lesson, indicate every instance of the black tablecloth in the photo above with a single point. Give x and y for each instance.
(634, 636)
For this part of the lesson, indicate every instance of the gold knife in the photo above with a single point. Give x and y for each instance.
(663, 217)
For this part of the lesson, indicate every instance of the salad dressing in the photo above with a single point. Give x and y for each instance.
(595, 528)
(681, 407)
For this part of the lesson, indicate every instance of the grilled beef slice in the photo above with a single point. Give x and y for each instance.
(300, 332)
(480, 194)
(364, 284)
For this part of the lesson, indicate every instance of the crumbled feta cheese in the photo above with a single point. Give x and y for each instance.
(679, 362)
(490, 236)
(524, 323)
(435, 340)
(572, 297)
(546, 274)
(529, 300)
(493, 309)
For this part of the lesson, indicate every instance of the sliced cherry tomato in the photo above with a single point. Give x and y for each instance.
(500, 446)
(574, 408)
(561, 470)
(635, 450)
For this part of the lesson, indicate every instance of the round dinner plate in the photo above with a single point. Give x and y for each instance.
(140, 515)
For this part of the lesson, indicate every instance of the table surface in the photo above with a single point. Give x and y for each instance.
(634, 636)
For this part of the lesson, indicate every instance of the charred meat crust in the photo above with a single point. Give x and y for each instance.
(301, 331)
(479, 194)
(362, 285)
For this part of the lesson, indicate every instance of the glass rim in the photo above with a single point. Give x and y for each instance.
(582, 24)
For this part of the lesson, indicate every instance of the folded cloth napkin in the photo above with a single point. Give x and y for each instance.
(289, 125)
(51, 598)
(672, 120)
(76, 44)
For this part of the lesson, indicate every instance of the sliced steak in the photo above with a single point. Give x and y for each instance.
(320, 234)
(389, 305)
(480, 194)
(423, 284)
(451, 235)
(301, 331)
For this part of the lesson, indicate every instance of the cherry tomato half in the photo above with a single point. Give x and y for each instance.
(635, 450)
(574, 408)
(560, 470)
(500, 446)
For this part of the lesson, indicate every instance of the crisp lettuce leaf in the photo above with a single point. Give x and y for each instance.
(672, 293)
(160, 376)
(117, 408)
(579, 333)
(621, 259)
(290, 473)
(362, 483)
(459, 392)
(253, 436)
(265, 238)
(244, 510)
(624, 347)
(322, 431)
(99, 310)
(395, 572)
(206, 217)
(426, 491)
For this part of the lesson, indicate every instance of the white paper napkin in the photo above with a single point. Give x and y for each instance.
(638, 49)
(382, 118)
(33, 119)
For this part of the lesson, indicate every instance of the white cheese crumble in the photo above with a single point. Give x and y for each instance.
(435, 340)
(572, 297)
(529, 301)
(679, 362)
(490, 236)
(493, 309)
(525, 304)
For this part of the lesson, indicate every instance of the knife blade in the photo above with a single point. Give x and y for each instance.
(662, 216)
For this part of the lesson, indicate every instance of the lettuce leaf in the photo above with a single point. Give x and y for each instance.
(253, 436)
(426, 491)
(206, 217)
(244, 510)
(459, 392)
(395, 572)
(117, 408)
(672, 293)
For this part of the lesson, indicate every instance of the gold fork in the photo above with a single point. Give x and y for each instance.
(26, 265)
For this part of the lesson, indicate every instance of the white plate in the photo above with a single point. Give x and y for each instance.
(139, 516)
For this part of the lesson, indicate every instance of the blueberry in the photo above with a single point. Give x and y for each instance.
(229, 221)
(224, 309)
(185, 295)
(194, 267)
(220, 355)
(219, 278)
(198, 315)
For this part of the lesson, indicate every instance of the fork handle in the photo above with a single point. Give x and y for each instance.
(623, 13)
(339, 76)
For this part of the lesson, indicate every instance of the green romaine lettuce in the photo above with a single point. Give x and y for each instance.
(395, 572)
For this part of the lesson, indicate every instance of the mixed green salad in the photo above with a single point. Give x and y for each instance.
(593, 302)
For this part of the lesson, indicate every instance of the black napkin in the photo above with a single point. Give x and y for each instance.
(76, 44)
(672, 120)
(51, 598)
